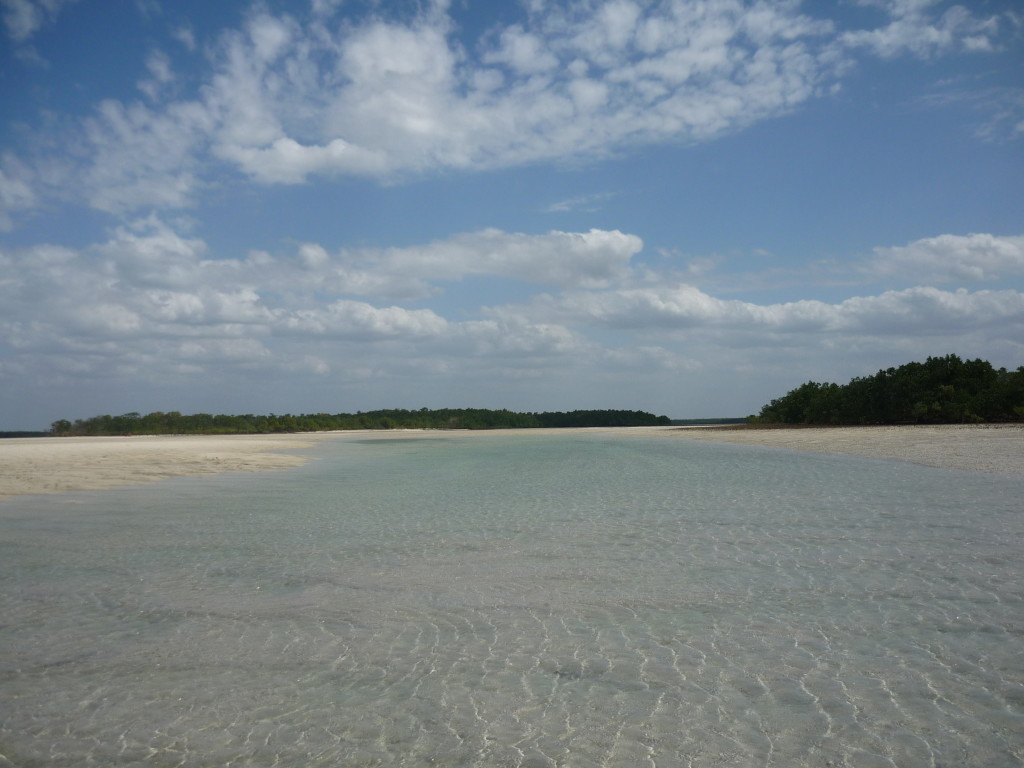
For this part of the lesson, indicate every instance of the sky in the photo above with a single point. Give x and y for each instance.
(678, 206)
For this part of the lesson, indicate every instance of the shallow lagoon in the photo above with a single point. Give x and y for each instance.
(520, 600)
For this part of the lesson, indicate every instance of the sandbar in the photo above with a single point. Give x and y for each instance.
(60, 464)
(978, 447)
(40, 465)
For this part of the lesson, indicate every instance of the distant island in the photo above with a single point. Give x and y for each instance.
(941, 390)
(175, 423)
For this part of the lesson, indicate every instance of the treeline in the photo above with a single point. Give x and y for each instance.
(707, 422)
(941, 390)
(175, 423)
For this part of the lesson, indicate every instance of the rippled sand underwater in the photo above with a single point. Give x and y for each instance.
(499, 600)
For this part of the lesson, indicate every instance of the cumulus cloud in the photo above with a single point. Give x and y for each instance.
(570, 84)
(151, 304)
(362, 321)
(681, 307)
(136, 156)
(149, 284)
(289, 98)
(150, 254)
(589, 259)
(515, 337)
(953, 258)
(149, 290)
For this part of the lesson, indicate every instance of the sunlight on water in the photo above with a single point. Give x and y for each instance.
(505, 600)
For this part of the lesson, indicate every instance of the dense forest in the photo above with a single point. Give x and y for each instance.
(174, 423)
(941, 390)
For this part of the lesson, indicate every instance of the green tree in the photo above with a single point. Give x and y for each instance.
(60, 427)
(941, 390)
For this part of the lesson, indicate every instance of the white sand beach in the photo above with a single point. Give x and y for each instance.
(54, 465)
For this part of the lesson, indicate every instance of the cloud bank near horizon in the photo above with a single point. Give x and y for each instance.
(150, 304)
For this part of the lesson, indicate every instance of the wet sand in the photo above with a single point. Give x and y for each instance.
(54, 465)
(979, 447)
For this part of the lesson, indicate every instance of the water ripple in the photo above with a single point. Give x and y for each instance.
(490, 601)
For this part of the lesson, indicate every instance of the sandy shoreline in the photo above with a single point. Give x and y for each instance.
(979, 447)
(55, 465)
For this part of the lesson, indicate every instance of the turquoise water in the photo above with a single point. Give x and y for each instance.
(520, 600)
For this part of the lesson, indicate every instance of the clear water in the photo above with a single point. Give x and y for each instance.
(504, 600)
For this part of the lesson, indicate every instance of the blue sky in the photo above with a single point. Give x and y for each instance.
(687, 208)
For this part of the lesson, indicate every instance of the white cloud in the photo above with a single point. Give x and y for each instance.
(325, 7)
(149, 296)
(1005, 118)
(147, 284)
(16, 195)
(138, 157)
(514, 337)
(216, 350)
(185, 36)
(1000, 110)
(150, 305)
(287, 100)
(523, 52)
(149, 254)
(286, 161)
(953, 258)
(588, 259)
(915, 311)
(23, 18)
(915, 28)
(932, 312)
(360, 321)
(160, 74)
(589, 203)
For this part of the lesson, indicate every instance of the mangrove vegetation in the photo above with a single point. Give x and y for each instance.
(175, 423)
(941, 390)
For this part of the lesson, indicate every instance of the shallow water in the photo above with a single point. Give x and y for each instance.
(520, 600)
